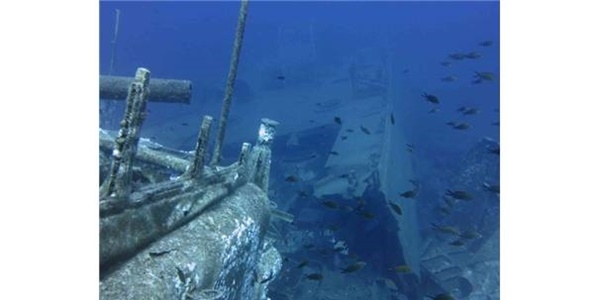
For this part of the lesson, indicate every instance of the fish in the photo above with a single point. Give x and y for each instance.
(291, 178)
(331, 204)
(354, 267)
(494, 188)
(473, 55)
(334, 153)
(343, 137)
(450, 78)
(401, 269)
(302, 194)
(396, 208)
(302, 264)
(460, 126)
(489, 76)
(456, 56)
(365, 130)
(494, 150)
(159, 253)
(431, 98)
(409, 194)
(470, 111)
(184, 124)
(459, 195)
(441, 297)
(470, 235)
(350, 130)
(338, 120)
(392, 118)
(314, 276)
(308, 246)
(445, 229)
(180, 275)
(281, 77)
(497, 123)
(446, 210)
(367, 214)
(486, 43)
(457, 243)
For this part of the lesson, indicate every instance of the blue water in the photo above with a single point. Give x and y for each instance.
(193, 41)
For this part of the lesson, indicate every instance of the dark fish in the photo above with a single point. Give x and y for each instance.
(159, 253)
(396, 208)
(401, 269)
(309, 246)
(450, 78)
(458, 242)
(462, 126)
(365, 130)
(343, 137)
(497, 123)
(461, 109)
(334, 153)
(457, 56)
(314, 276)
(470, 235)
(489, 76)
(445, 210)
(281, 77)
(410, 148)
(367, 214)
(409, 194)
(184, 124)
(486, 43)
(442, 297)
(180, 275)
(494, 150)
(470, 111)
(473, 55)
(445, 229)
(446, 64)
(354, 267)
(338, 120)
(302, 194)
(331, 204)
(291, 178)
(405, 71)
(350, 130)
(431, 98)
(392, 119)
(302, 264)
(459, 195)
(491, 188)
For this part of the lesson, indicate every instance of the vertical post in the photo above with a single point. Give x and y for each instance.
(244, 153)
(235, 58)
(118, 182)
(197, 166)
(262, 154)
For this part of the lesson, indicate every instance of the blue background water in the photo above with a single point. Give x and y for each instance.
(193, 41)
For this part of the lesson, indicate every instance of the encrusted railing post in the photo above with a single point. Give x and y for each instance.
(118, 182)
(197, 165)
(260, 158)
(244, 153)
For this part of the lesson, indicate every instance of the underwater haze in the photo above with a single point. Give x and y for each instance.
(397, 100)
